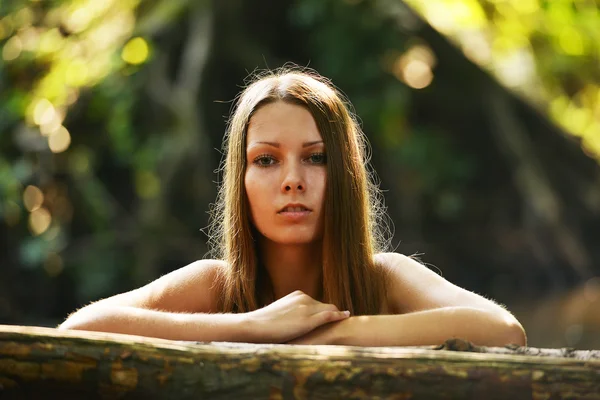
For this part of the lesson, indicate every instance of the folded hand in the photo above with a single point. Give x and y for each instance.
(324, 334)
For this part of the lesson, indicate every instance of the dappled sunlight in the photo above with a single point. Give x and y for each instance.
(66, 48)
(450, 17)
(476, 46)
(114, 114)
(528, 45)
(75, 43)
(516, 68)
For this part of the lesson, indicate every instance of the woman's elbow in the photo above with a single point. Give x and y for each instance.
(516, 334)
(71, 323)
(84, 319)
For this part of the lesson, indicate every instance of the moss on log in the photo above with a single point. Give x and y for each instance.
(39, 362)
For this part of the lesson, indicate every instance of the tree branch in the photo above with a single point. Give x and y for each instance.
(532, 182)
(76, 364)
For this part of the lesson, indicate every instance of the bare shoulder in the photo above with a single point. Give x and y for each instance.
(412, 287)
(403, 276)
(193, 288)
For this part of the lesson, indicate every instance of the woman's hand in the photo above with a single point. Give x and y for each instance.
(325, 334)
(290, 317)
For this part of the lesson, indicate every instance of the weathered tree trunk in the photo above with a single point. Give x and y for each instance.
(42, 362)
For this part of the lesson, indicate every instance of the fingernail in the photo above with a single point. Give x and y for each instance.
(347, 313)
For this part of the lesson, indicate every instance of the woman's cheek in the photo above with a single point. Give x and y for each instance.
(256, 189)
(318, 179)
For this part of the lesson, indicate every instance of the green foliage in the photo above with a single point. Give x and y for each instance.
(381, 99)
(91, 112)
(547, 50)
(69, 101)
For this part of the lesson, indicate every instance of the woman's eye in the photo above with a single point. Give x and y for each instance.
(264, 161)
(318, 158)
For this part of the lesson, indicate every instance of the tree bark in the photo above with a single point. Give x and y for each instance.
(38, 362)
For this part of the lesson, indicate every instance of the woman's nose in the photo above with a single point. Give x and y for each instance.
(298, 187)
(293, 180)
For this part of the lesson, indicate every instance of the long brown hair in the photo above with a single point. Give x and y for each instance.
(354, 224)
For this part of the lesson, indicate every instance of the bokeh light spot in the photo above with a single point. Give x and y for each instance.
(76, 74)
(591, 145)
(515, 68)
(51, 127)
(52, 233)
(476, 47)
(50, 41)
(78, 20)
(525, 6)
(43, 112)
(72, 96)
(576, 119)
(417, 74)
(60, 140)
(33, 198)
(135, 51)
(571, 41)
(415, 66)
(12, 49)
(39, 221)
(23, 17)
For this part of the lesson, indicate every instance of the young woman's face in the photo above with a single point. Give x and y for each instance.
(285, 174)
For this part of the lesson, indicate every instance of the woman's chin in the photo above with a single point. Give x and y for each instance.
(294, 239)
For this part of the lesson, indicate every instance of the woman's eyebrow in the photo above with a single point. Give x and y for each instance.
(274, 144)
(277, 145)
(308, 144)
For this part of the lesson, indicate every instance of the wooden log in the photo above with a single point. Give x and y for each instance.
(47, 363)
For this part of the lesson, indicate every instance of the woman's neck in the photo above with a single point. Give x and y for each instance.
(293, 267)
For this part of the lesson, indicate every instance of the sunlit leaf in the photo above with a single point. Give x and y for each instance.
(535, 47)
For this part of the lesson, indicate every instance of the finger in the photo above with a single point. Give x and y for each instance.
(327, 307)
(325, 317)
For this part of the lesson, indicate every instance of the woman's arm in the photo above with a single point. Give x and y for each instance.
(181, 306)
(418, 293)
(422, 328)
(427, 310)
(202, 327)
(177, 306)
(431, 327)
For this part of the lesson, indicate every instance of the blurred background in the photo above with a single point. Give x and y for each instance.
(483, 116)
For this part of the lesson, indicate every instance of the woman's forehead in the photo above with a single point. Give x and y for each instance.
(282, 123)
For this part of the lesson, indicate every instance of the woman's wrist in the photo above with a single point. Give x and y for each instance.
(340, 331)
(214, 327)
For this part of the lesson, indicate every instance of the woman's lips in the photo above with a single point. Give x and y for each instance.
(294, 207)
(294, 215)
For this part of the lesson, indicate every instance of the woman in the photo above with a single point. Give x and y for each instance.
(297, 237)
